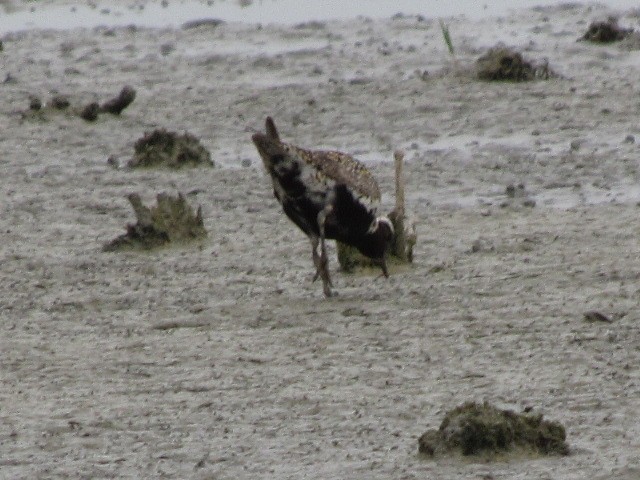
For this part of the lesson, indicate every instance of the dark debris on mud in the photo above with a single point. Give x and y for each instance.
(501, 63)
(489, 433)
(607, 31)
(90, 112)
(163, 148)
(117, 104)
(39, 110)
(172, 220)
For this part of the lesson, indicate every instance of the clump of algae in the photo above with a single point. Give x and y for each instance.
(490, 433)
(162, 148)
(171, 220)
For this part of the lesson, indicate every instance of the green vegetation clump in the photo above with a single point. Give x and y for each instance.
(350, 258)
(484, 430)
(162, 148)
(400, 251)
(172, 220)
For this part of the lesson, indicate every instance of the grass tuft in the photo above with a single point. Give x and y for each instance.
(447, 37)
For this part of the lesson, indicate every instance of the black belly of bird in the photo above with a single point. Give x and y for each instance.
(348, 221)
(303, 212)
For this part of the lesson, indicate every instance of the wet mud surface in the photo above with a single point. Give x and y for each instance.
(221, 359)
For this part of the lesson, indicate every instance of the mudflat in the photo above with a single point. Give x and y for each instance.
(221, 359)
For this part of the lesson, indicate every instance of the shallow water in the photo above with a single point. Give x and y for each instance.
(174, 13)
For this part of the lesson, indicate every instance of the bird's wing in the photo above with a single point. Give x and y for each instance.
(343, 168)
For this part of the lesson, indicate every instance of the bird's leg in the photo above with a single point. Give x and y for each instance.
(323, 268)
(315, 241)
(318, 260)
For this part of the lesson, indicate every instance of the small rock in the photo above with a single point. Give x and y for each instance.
(246, 162)
(629, 139)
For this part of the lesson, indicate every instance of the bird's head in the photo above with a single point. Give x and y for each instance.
(268, 144)
(379, 238)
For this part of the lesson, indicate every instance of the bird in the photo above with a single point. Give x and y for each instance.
(329, 195)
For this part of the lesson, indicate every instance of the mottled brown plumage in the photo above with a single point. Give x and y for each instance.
(342, 168)
(337, 166)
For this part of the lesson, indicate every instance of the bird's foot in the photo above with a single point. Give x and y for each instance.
(320, 274)
(327, 284)
(330, 293)
(322, 271)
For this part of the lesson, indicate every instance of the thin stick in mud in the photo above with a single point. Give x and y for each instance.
(400, 241)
